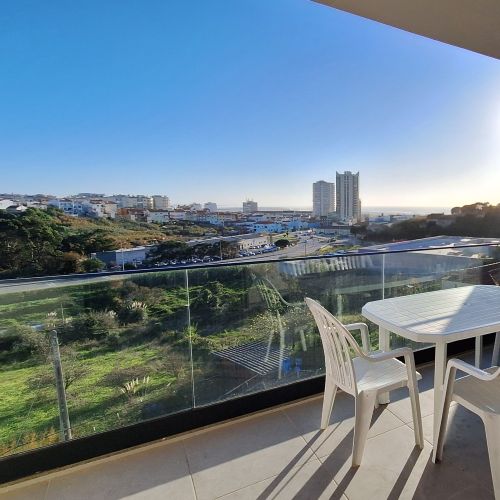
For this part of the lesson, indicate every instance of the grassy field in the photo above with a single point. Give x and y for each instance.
(95, 399)
(126, 346)
(96, 369)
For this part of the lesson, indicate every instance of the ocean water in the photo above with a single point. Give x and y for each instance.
(406, 210)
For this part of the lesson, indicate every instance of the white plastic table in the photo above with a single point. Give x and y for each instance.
(439, 318)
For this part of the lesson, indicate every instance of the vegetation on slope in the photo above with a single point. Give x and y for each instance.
(44, 242)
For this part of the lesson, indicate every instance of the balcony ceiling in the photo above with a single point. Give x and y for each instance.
(470, 24)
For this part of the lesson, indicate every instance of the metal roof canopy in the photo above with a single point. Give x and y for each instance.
(469, 24)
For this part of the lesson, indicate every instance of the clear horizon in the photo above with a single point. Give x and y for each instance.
(225, 101)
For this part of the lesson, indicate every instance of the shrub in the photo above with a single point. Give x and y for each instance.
(31, 341)
(89, 325)
(130, 292)
(91, 265)
(133, 312)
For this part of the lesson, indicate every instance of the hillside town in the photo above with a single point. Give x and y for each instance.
(207, 232)
(334, 210)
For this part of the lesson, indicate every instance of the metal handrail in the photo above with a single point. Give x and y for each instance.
(232, 263)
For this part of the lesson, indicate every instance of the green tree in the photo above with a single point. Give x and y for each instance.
(30, 243)
(228, 249)
(70, 262)
(172, 249)
(282, 243)
(88, 241)
(91, 265)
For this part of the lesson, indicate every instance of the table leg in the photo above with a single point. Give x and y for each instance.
(384, 344)
(439, 374)
(479, 352)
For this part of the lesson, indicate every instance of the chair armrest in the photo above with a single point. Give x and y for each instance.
(395, 353)
(458, 364)
(365, 337)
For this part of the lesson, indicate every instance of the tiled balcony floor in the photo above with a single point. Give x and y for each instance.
(282, 454)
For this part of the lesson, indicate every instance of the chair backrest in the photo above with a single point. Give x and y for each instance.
(337, 344)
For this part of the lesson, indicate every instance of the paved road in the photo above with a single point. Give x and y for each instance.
(304, 247)
(28, 286)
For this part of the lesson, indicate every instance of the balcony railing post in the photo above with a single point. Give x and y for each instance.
(383, 276)
(190, 340)
(65, 426)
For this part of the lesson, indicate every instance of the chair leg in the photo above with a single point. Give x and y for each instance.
(415, 410)
(365, 404)
(492, 429)
(496, 350)
(328, 400)
(437, 452)
(478, 354)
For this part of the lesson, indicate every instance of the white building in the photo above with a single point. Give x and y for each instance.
(16, 209)
(4, 204)
(210, 206)
(250, 206)
(323, 198)
(123, 256)
(94, 208)
(99, 208)
(133, 201)
(160, 216)
(179, 215)
(110, 208)
(36, 204)
(248, 241)
(161, 202)
(348, 202)
(243, 241)
(68, 206)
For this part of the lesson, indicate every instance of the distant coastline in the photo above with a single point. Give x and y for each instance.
(369, 210)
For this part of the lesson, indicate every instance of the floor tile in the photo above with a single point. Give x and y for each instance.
(400, 404)
(475, 493)
(309, 481)
(393, 467)
(234, 456)
(465, 448)
(159, 472)
(465, 443)
(339, 434)
(19, 492)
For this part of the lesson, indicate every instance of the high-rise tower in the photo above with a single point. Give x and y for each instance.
(323, 198)
(348, 202)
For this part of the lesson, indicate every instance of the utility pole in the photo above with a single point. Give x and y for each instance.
(123, 260)
(65, 427)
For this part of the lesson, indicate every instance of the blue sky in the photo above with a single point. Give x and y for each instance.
(226, 99)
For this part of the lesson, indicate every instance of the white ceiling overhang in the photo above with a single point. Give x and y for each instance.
(470, 24)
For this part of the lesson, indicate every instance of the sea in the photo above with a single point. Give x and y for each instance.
(368, 210)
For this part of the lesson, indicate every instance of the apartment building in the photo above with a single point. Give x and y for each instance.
(210, 206)
(161, 202)
(348, 204)
(250, 206)
(323, 198)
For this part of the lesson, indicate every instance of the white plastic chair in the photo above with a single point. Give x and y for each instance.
(365, 376)
(479, 392)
